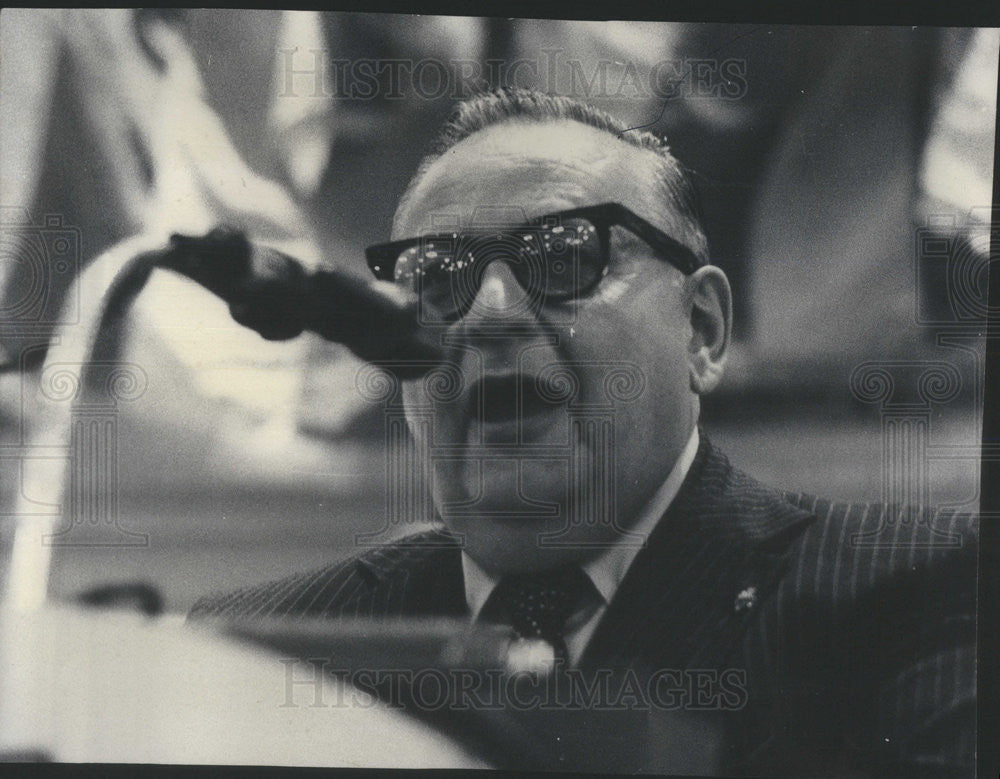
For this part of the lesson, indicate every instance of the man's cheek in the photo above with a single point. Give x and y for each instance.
(613, 289)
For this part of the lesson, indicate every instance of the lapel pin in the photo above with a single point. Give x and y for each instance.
(745, 600)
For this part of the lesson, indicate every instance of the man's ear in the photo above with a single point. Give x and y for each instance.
(711, 312)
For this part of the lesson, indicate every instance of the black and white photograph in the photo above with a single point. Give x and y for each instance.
(408, 390)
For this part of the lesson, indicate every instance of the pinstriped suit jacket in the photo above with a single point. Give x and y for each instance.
(852, 625)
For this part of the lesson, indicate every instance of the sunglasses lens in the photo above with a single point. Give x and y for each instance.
(430, 269)
(573, 258)
(550, 262)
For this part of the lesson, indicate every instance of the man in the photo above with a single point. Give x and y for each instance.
(568, 273)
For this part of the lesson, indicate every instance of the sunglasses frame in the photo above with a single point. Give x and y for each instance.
(382, 258)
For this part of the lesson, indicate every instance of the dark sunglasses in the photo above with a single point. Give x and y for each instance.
(555, 257)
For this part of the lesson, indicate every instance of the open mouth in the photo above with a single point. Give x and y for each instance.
(505, 400)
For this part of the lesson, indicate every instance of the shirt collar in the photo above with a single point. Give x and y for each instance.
(608, 569)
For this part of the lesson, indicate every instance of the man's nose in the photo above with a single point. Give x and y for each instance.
(501, 322)
(500, 297)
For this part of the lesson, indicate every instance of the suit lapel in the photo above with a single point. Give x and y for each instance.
(418, 576)
(691, 591)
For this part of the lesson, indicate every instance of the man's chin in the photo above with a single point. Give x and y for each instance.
(514, 545)
(511, 508)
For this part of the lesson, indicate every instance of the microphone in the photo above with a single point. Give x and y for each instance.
(273, 294)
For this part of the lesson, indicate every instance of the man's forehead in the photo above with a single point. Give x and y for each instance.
(535, 168)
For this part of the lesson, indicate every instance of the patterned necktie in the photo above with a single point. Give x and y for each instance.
(538, 605)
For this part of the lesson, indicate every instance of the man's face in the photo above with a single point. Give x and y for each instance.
(526, 475)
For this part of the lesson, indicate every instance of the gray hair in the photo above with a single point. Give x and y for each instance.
(492, 108)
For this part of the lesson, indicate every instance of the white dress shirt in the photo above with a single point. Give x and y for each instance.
(606, 571)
